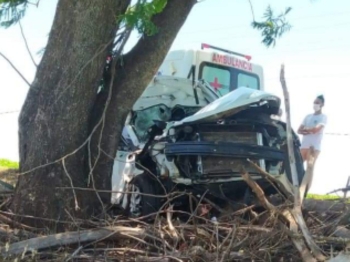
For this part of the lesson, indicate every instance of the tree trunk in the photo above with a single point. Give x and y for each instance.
(54, 119)
(137, 69)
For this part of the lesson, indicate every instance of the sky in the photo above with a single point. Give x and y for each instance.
(316, 54)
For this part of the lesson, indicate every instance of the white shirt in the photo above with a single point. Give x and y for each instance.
(315, 140)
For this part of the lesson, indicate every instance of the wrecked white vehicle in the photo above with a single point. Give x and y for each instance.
(182, 136)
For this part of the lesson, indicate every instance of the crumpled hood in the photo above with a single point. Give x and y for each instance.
(240, 99)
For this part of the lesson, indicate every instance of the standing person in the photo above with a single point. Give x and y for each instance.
(312, 130)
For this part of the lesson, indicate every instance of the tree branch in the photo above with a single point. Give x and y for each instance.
(252, 9)
(12, 65)
(26, 43)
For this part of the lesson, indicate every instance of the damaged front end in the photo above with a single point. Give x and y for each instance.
(185, 137)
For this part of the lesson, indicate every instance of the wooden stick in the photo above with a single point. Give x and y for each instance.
(258, 192)
(296, 212)
(347, 184)
(306, 183)
(290, 146)
(172, 229)
(286, 215)
(298, 243)
(14, 224)
(151, 259)
(317, 252)
(271, 179)
(69, 238)
(6, 187)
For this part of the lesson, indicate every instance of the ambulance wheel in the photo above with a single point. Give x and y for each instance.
(143, 205)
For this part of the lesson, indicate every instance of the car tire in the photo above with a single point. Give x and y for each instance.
(143, 205)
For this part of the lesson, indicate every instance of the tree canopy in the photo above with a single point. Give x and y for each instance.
(139, 17)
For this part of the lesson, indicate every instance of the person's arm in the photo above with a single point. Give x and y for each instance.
(319, 127)
(316, 129)
(301, 129)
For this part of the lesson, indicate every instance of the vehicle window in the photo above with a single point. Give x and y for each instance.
(225, 79)
(218, 77)
(247, 80)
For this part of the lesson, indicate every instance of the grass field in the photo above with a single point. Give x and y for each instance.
(323, 197)
(8, 171)
(5, 163)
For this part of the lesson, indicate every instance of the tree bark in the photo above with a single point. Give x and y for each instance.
(54, 119)
(137, 69)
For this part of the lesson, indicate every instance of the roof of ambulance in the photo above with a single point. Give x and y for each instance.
(205, 50)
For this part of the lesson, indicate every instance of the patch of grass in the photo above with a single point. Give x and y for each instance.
(8, 163)
(323, 197)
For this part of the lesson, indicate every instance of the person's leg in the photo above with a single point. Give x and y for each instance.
(314, 154)
(304, 154)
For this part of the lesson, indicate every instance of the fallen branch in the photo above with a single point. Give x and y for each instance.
(340, 258)
(324, 206)
(172, 229)
(203, 241)
(285, 215)
(298, 190)
(151, 259)
(317, 252)
(12, 223)
(259, 193)
(344, 190)
(275, 182)
(6, 187)
(341, 232)
(200, 253)
(63, 239)
(307, 180)
(290, 146)
(298, 243)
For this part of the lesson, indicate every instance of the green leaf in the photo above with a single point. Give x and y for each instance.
(159, 5)
(11, 11)
(140, 16)
(273, 27)
(288, 9)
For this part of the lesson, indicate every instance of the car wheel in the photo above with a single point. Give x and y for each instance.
(142, 201)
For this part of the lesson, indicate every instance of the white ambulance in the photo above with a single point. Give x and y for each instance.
(192, 129)
(224, 72)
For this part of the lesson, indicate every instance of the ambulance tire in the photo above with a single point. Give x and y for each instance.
(146, 204)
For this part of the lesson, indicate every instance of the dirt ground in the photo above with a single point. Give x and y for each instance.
(9, 175)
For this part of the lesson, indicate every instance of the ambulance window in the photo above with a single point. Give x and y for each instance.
(218, 77)
(247, 80)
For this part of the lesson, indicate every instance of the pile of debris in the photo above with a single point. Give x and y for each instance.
(246, 234)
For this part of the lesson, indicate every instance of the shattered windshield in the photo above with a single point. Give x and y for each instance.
(143, 120)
